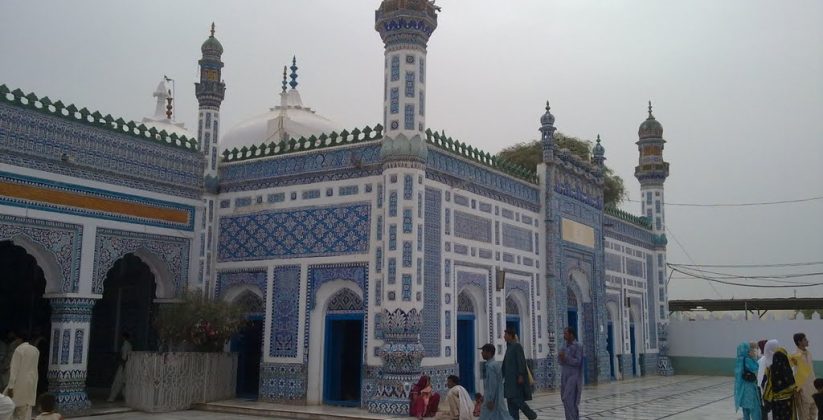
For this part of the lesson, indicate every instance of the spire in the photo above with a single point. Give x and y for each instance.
(293, 74)
(168, 105)
(548, 108)
(284, 80)
(650, 109)
(212, 30)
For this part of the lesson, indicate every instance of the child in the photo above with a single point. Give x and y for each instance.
(818, 397)
(47, 404)
(478, 402)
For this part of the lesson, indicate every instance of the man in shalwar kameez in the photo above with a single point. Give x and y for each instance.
(22, 386)
(571, 374)
(493, 407)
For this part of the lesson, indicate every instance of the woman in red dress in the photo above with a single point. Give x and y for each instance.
(423, 402)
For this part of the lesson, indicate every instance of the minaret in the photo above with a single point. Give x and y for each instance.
(210, 91)
(405, 27)
(598, 154)
(652, 172)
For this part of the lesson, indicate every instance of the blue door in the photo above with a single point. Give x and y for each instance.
(466, 349)
(610, 348)
(248, 344)
(343, 359)
(634, 352)
(513, 322)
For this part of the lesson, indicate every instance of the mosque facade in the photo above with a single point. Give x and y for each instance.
(369, 256)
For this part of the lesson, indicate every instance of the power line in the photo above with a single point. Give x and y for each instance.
(752, 277)
(797, 264)
(677, 241)
(761, 203)
(767, 286)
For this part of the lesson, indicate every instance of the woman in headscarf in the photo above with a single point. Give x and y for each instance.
(746, 393)
(778, 382)
(423, 401)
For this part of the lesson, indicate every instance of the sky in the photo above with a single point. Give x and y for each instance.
(737, 85)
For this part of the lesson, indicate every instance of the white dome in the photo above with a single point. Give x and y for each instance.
(288, 120)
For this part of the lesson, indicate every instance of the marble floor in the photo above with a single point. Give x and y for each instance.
(675, 398)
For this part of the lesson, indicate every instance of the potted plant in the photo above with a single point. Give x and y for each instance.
(191, 366)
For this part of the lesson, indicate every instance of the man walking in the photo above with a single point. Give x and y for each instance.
(571, 374)
(459, 401)
(804, 378)
(120, 376)
(22, 387)
(515, 375)
(492, 408)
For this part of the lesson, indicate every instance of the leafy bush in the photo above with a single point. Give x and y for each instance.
(198, 323)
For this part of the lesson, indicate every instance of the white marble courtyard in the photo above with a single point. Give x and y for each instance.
(678, 398)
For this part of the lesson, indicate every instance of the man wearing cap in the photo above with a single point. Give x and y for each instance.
(492, 408)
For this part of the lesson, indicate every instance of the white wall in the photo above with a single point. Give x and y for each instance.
(715, 337)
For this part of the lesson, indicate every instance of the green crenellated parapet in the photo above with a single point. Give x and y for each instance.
(355, 135)
(58, 109)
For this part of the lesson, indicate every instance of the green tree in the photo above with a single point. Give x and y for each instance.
(530, 154)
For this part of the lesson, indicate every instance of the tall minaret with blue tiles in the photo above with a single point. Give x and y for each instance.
(652, 172)
(405, 27)
(210, 91)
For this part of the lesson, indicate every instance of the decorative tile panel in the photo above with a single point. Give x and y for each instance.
(430, 332)
(304, 232)
(285, 319)
(469, 226)
(393, 203)
(517, 238)
(407, 285)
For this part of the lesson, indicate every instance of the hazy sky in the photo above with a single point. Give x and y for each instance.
(737, 85)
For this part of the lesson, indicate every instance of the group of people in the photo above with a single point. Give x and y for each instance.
(20, 367)
(777, 385)
(509, 379)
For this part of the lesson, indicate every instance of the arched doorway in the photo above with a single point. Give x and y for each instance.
(343, 349)
(127, 306)
(466, 341)
(248, 344)
(610, 335)
(513, 316)
(23, 310)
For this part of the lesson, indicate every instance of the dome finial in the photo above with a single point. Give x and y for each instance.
(293, 74)
(284, 79)
(650, 109)
(548, 108)
(212, 29)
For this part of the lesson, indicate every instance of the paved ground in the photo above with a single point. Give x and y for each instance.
(675, 398)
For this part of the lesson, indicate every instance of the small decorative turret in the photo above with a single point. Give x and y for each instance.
(598, 153)
(211, 90)
(651, 170)
(547, 130)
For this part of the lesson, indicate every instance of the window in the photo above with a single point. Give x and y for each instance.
(657, 206)
(410, 84)
(395, 100)
(422, 104)
(409, 117)
(395, 68)
(422, 71)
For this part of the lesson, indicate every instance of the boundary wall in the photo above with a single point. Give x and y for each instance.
(706, 344)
